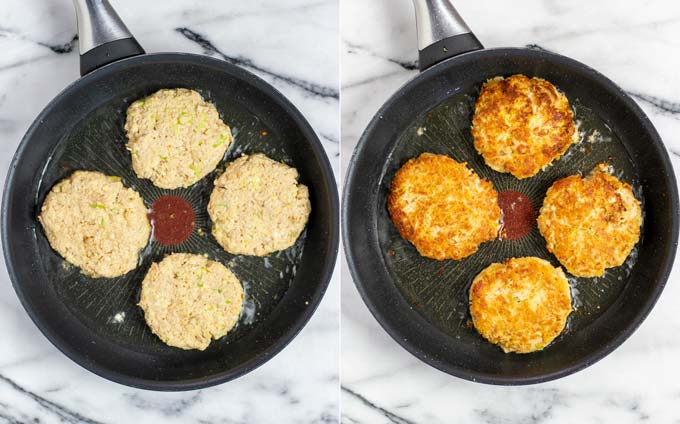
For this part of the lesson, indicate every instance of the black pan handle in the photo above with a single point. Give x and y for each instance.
(103, 37)
(442, 32)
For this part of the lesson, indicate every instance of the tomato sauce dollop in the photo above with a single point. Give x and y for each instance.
(518, 214)
(173, 220)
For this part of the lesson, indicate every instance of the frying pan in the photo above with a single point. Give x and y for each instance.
(96, 322)
(423, 303)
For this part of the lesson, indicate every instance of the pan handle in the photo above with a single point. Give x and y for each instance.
(442, 32)
(103, 37)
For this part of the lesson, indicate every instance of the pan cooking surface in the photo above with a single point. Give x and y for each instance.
(422, 303)
(438, 290)
(109, 306)
(96, 322)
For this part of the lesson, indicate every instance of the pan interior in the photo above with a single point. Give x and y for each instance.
(109, 306)
(438, 290)
(96, 321)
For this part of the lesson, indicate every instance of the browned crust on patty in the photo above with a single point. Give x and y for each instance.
(520, 305)
(590, 224)
(443, 207)
(522, 124)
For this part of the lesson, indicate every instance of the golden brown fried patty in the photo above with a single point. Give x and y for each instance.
(591, 223)
(443, 207)
(521, 305)
(522, 124)
(188, 300)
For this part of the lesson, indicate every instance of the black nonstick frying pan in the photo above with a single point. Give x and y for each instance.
(96, 322)
(423, 303)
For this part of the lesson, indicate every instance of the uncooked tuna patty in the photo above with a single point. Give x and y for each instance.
(257, 206)
(175, 137)
(189, 300)
(96, 223)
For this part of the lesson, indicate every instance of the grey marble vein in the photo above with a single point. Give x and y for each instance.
(277, 10)
(330, 416)
(372, 79)
(62, 48)
(353, 48)
(209, 48)
(59, 48)
(168, 408)
(280, 389)
(545, 402)
(329, 137)
(632, 406)
(394, 418)
(612, 28)
(662, 105)
(23, 62)
(9, 419)
(62, 412)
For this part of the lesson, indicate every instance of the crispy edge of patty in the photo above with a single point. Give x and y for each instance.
(521, 305)
(504, 133)
(592, 223)
(425, 175)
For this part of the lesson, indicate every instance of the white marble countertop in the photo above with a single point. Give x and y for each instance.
(636, 44)
(292, 45)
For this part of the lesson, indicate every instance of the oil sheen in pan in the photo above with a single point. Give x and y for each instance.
(438, 290)
(109, 306)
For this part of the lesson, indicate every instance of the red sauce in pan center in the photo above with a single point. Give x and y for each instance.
(172, 219)
(518, 214)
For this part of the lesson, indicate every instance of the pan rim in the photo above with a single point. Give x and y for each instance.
(314, 299)
(388, 324)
